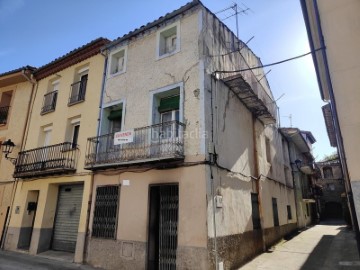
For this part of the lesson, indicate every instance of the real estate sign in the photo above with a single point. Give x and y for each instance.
(122, 137)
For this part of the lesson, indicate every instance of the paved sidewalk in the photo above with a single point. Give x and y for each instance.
(326, 246)
(16, 261)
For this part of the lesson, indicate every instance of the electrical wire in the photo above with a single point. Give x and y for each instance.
(271, 64)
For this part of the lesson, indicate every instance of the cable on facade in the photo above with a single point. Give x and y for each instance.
(268, 65)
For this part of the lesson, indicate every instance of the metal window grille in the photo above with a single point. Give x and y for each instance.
(255, 211)
(105, 213)
(49, 103)
(275, 212)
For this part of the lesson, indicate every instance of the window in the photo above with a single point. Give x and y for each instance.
(307, 210)
(50, 98)
(275, 212)
(289, 214)
(78, 88)
(72, 131)
(5, 106)
(117, 62)
(105, 212)
(255, 211)
(328, 173)
(75, 136)
(168, 40)
(268, 150)
(287, 176)
(112, 118)
(169, 113)
(46, 136)
(115, 120)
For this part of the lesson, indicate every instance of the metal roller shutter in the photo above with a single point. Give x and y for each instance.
(67, 218)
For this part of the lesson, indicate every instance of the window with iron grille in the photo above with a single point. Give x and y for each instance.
(105, 212)
(255, 211)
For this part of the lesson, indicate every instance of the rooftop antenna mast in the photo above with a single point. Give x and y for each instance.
(237, 11)
(290, 118)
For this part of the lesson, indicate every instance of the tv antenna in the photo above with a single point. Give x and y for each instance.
(290, 118)
(237, 10)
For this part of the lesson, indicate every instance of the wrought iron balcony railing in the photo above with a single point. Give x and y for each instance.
(151, 143)
(78, 91)
(54, 159)
(49, 103)
(4, 111)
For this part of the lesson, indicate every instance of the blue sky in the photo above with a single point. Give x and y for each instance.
(38, 31)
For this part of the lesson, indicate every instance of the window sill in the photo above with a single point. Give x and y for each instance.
(42, 113)
(165, 55)
(75, 102)
(116, 74)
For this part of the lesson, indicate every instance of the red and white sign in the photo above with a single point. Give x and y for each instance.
(122, 137)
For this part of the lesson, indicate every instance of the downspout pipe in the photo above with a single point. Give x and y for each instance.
(102, 93)
(341, 149)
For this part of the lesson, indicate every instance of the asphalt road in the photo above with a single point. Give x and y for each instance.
(20, 261)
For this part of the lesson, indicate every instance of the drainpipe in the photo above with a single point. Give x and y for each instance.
(212, 161)
(102, 95)
(294, 186)
(257, 181)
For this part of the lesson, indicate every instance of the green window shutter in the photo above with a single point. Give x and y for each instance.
(115, 115)
(169, 104)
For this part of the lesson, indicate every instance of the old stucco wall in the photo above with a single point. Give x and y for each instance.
(146, 74)
(240, 148)
(133, 218)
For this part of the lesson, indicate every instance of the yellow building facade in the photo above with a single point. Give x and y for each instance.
(16, 88)
(50, 209)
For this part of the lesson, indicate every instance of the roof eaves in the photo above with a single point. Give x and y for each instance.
(154, 23)
(30, 68)
(77, 55)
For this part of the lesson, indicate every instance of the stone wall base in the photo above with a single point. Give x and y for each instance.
(123, 254)
(237, 249)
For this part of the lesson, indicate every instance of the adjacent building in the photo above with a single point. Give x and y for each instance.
(333, 201)
(302, 168)
(50, 207)
(16, 91)
(333, 28)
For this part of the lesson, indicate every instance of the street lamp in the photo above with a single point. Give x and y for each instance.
(7, 148)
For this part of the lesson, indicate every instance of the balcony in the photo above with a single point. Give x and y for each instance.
(4, 111)
(49, 103)
(78, 91)
(163, 141)
(48, 160)
(250, 91)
